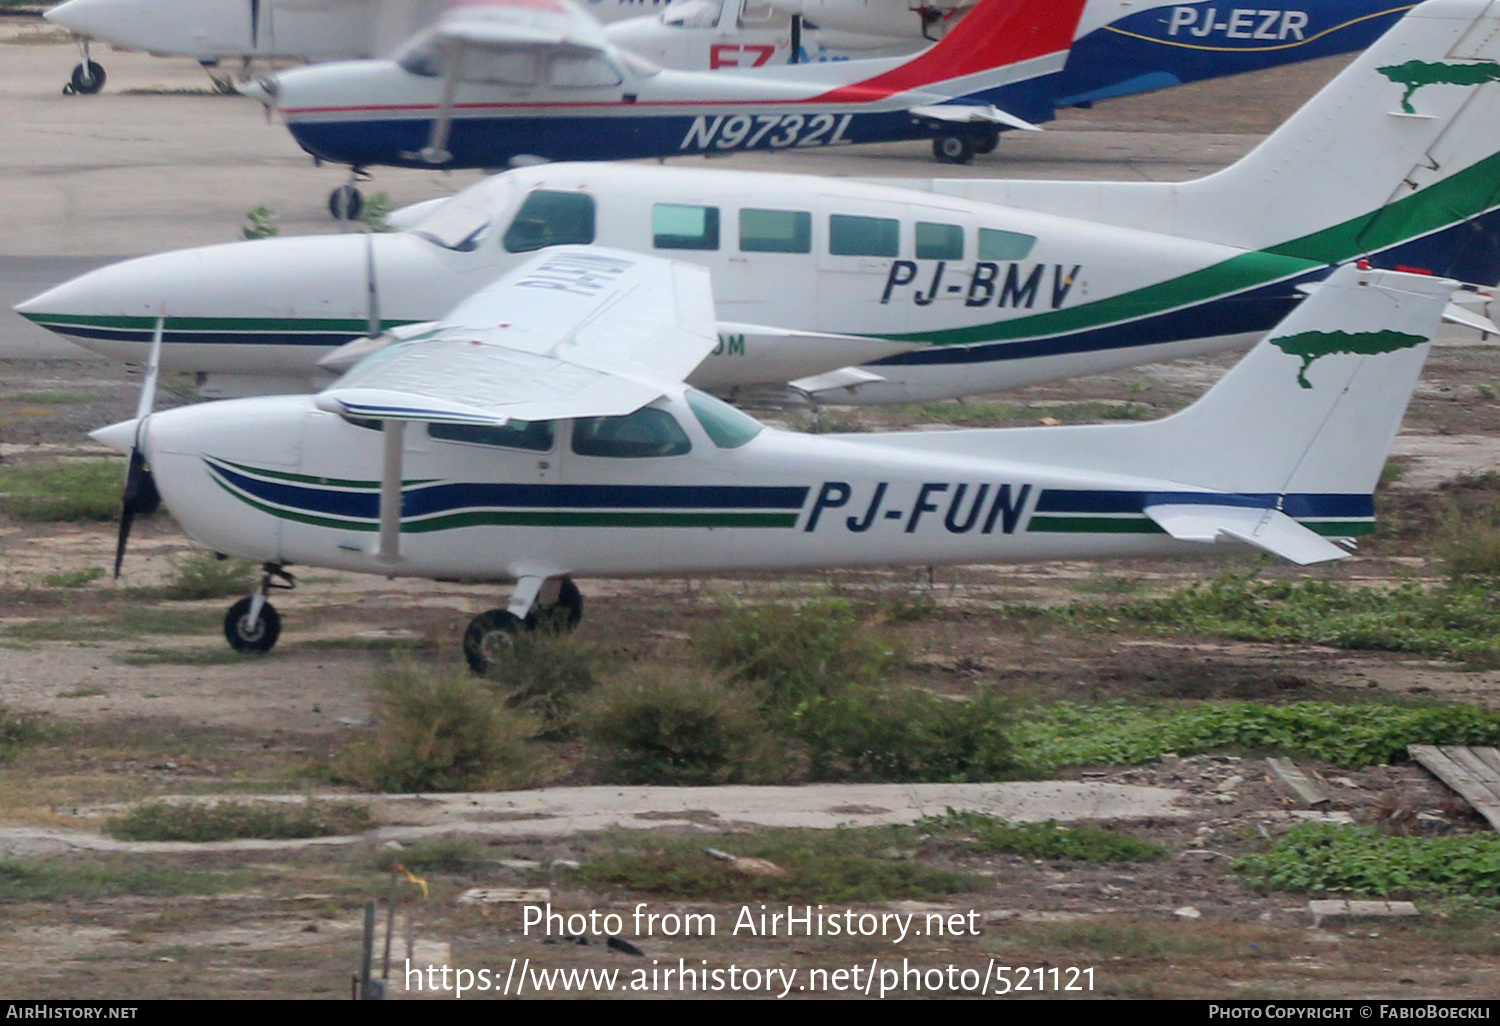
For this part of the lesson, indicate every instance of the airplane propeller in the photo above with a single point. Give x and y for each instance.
(140, 496)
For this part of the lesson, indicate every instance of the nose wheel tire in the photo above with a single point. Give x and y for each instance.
(239, 634)
(953, 149)
(490, 638)
(345, 203)
(88, 78)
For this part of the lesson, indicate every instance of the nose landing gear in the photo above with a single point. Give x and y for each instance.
(346, 202)
(88, 77)
(252, 624)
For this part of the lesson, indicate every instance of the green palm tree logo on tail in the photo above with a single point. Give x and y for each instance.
(1416, 74)
(1309, 345)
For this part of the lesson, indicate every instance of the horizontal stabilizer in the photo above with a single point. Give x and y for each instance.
(844, 377)
(1455, 314)
(1267, 529)
(988, 114)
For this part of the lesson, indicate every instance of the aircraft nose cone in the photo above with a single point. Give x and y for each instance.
(265, 90)
(76, 15)
(119, 437)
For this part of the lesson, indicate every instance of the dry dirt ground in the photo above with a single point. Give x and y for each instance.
(144, 701)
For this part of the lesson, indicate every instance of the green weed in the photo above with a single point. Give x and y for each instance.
(203, 575)
(547, 673)
(1068, 734)
(260, 223)
(683, 729)
(153, 656)
(795, 654)
(1459, 622)
(16, 732)
(227, 820)
(441, 730)
(978, 832)
(73, 578)
(1360, 860)
(829, 866)
(53, 398)
(904, 734)
(437, 855)
(63, 490)
(54, 879)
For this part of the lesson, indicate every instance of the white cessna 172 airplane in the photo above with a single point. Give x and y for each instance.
(984, 284)
(543, 431)
(212, 31)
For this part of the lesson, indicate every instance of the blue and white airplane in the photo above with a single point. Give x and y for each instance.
(543, 431)
(983, 285)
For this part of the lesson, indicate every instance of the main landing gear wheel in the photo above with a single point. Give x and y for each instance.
(490, 638)
(562, 615)
(244, 638)
(987, 143)
(345, 203)
(953, 149)
(88, 78)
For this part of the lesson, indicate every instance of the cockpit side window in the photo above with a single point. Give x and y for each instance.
(531, 435)
(514, 66)
(550, 218)
(697, 14)
(647, 432)
(726, 427)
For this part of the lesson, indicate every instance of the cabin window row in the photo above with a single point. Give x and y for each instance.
(550, 218)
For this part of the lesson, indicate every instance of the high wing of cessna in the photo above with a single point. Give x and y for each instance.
(980, 285)
(211, 31)
(495, 83)
(542, 431)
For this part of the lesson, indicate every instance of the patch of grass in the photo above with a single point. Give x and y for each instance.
(1360, 860)
(228, 820)
(439, 729)
(437, 855)
(62, 490)
(904, 734)
(546, 672)
(1149, 941)
(203, 575)
(133, 620)
(260, 223)
(796, 653)
(978, 832)
(1458, 622)
(1068, 734)
(829, 866)
(967, 413)
(684, 729)
(54, 879)
(82, 691)
(16, 732)
(73, 578)
(152, 656)
(53, 398)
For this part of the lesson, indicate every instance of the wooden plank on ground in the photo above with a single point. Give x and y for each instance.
(1475, 789)
(1489, 756)
(1291, 774)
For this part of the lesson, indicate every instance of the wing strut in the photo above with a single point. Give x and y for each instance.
(393, 433)
(436, 150)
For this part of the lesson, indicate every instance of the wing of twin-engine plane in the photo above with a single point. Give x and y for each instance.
(576, 332)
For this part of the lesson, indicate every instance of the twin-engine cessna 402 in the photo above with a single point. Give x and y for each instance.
(543, 431)
(970, 285)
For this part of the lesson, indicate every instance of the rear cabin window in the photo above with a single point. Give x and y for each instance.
(939, 241)
(531, 435)
(586, 71)
(863, 236)
(997, 245)
(775, 231)
(644, 433)
(551, 219)
(677, 226)
(516, 66)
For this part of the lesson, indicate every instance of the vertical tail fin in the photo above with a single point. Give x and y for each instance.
(995, 34)
(1315, 406)
(1396, 160)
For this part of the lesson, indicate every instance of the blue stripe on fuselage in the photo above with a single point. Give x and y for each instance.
(1307, 504)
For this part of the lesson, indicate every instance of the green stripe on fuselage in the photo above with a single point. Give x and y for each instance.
(237, 325)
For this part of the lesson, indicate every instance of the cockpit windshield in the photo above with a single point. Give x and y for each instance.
(420, 54)
(464, 220)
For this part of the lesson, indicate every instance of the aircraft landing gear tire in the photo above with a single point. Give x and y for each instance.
(491, 635)
(564, 614)
(988, 143)
(241, 637)
(345, 203)
(953, 149)
(88, 78)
